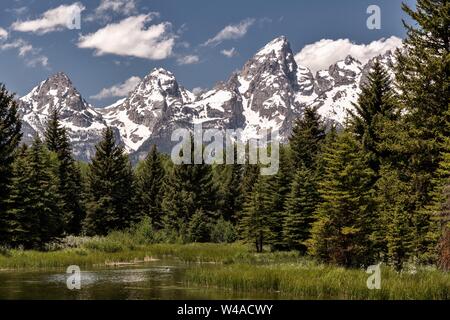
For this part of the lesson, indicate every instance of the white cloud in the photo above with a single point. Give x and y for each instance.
(119, 6)
(198, 91)
(232, 31)
(37, 60)
(104, 11)
(3, 34)
(18, 11)
(189, 59)
(130, 37)
(118, 90)
(229, 53)
(52, 20)
(31, 55)
(320, 55)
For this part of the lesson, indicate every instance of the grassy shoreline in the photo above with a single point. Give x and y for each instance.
(234, 267)
(315, 281)
(88, 256)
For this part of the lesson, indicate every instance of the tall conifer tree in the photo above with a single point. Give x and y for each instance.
(10, 135)
(70, 184)
(150, 182)
(423, 78)
(112, 199)
(342, 231)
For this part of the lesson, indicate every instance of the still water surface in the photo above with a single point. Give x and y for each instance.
(153, 280)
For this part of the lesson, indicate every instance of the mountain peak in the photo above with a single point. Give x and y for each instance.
(60, 78)
(161, 72)
(350, 59)
(280, 44)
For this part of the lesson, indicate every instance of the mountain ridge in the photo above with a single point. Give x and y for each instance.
(270, 91)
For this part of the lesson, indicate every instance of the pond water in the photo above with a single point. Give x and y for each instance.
(153, 280)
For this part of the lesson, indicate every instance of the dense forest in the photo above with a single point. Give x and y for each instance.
(375, 190)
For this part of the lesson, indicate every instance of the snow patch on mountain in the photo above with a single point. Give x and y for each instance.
(269, 92)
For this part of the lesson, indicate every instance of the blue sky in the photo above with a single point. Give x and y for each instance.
(121, 40)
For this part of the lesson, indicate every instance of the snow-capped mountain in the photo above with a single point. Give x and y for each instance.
(270, 92)
(84, 124)
(158, 96)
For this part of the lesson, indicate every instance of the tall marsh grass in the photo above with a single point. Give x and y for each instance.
(309, 280)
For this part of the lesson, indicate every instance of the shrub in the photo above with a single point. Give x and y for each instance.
(223, 232)
(199, 227)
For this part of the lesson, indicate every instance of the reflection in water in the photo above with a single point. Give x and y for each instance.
(154, 280)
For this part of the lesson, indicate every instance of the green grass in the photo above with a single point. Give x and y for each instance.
(235, 267)
(308, 280)
(100, 251)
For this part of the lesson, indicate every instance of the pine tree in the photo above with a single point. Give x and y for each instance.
(188, 188)
(200, 227)
(112, 189)
(10, 136)
(342, 231)
(52, 132)
(440, 207)
(35, 207)
(257, 220)
(376, 104)
(301, 197)
(307, 134)
(230, 190)
(301, 204)
(393, 235)
(70, 184)
(23, 222)
(280, 187)
(423, 76)
(150, 185)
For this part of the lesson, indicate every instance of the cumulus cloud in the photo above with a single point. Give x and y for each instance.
(118, 90)
(131, 37)
(232, 31)
(52, 20)
(320, 55)
(229, 53)
(189, 59)
(3, 34)
(25, 50)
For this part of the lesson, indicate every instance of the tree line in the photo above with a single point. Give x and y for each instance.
(374, 190)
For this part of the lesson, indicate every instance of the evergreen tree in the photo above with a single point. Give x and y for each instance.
(112, 201)
(307, 134)
(301, 204)
(257, 219)
(376, 104)
(53, 132)
(280, 187)
(393, 235)
(200, 227)
(230, 178)
(440, 207)
(35, 207)
(10, 135)
(188, 188)
(70, 184)
(301, 198)
(342, 231)
(422, 74)
(249, 179)
(150, 183)
(23, 222)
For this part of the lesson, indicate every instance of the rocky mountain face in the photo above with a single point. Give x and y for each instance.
(84, 124)
(270, 91)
